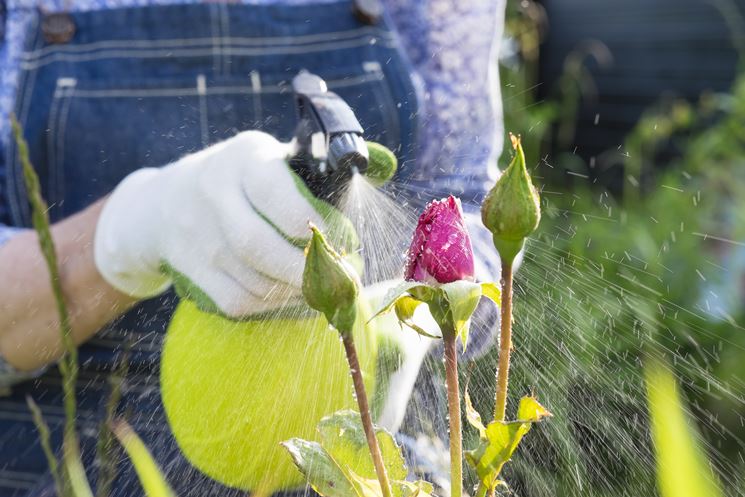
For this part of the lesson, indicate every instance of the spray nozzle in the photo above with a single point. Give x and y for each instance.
(330, 147)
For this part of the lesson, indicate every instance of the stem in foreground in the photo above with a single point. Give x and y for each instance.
(456, 437)
(367, 424)
(505, 343)
(68, 363)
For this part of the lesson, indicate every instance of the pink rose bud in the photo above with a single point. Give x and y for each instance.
(441, 249)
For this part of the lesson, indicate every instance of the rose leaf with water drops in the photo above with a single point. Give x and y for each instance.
(340, 464)
(499, 439)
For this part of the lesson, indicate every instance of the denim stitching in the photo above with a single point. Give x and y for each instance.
(181, 42)
(258, 51)
(57, 99)
(59, 171)
(203, 124)
(257, 90)
(212, 90)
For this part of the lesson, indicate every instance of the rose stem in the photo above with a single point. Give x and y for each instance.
(367, 424)
(505, 348)
(456, 437)
(505, 342)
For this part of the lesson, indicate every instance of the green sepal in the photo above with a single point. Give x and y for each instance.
(403, 288)
(499, 439)
(451, 304)
(405, 306)
(492, 291)
(463, 296)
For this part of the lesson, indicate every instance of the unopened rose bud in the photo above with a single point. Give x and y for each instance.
(512, 210)
(330, 284)
(441, 249)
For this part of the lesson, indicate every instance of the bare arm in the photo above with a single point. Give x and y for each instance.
(29, 324)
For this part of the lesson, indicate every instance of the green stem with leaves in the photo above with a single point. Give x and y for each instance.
(505, 343)
(505, 349)
(456, 436)
(367, 424)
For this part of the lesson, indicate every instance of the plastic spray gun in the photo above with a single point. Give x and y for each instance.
(330, 148)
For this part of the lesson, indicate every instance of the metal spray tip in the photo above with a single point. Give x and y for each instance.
(328, 135)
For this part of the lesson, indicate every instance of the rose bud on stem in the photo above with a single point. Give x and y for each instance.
(332, 286)
(511, 211)
(441, 253)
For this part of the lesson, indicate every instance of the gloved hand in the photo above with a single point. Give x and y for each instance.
(227, 225)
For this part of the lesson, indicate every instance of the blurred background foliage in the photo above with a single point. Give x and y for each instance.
(641, 250)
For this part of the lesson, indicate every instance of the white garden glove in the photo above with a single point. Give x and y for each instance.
(227, 225)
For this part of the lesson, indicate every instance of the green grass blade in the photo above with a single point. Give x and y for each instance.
(106, 448)
(43, 429)
(682, 467)
(68, 364)
(76, 477)
(150, 475)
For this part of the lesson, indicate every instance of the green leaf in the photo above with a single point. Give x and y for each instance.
(320, 470)
(682, 468)
(365, 487)
(405, 306)
(419, 488)
(343, 437)
(473, 416)
(150, 475)
(340, 464)
(501, 439)
(531, 411)
(463, 296)
(491, 290)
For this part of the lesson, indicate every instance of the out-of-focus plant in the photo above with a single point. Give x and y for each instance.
(153, 482)
(69, 476)
(68, 472)
(554, 116)
(682, 468)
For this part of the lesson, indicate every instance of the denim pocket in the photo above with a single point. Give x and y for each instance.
(100, 131)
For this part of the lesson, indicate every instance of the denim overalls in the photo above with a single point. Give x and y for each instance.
(141, 87)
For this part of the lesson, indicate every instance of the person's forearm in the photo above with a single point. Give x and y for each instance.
(29, 323)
